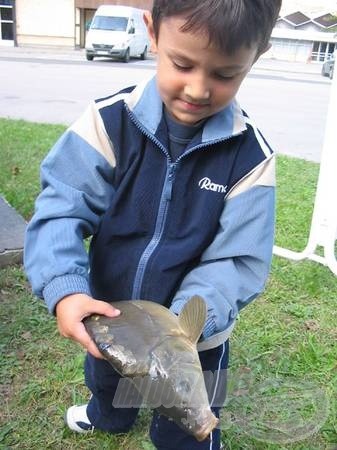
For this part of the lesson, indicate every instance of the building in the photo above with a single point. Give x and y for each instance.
(309, 34)
(305, 31)
(7, 22)
(51, 23)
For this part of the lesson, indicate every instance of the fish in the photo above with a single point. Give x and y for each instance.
(157, 351)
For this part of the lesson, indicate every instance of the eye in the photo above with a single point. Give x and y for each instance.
(223, 77)
(181, 67)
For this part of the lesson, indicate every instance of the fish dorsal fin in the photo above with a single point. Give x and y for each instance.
(192, 317)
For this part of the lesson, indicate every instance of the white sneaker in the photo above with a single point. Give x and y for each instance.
(77, 420)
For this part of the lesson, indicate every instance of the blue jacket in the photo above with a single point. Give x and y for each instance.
(162, 230)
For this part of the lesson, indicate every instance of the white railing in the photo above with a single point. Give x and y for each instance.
(323, 231)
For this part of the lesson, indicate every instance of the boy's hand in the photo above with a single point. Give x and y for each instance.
(72, 309)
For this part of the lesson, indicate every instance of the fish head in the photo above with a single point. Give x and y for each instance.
(177, 387)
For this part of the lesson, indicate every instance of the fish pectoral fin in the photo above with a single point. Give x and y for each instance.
(192, 317)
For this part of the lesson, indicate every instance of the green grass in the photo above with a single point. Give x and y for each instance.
(283, 356)
(23, 144)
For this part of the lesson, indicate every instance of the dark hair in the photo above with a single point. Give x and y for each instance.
(229, 24)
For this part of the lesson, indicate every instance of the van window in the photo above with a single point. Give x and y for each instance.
(109, 23)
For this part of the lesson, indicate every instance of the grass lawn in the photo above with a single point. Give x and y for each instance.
(282, 393)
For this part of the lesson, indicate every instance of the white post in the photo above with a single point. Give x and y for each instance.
(323, 230)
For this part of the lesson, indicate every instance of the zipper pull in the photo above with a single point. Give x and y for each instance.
(169, 182)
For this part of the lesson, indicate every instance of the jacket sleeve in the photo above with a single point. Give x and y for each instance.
(76, 178)
(234, 268)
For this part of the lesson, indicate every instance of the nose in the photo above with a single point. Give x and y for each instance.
(197, 88)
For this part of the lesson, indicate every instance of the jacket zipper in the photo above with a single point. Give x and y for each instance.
(163, 205)
(158, 232)
(165, 198)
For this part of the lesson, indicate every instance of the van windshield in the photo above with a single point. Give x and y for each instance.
(109, 23)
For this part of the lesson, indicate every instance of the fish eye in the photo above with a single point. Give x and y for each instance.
(184, 386)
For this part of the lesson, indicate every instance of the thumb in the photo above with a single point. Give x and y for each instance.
(106, 309)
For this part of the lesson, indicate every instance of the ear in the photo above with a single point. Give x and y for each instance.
(268, 47)
(261, 52)
(149, 25)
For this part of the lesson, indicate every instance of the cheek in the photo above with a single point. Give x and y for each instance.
(168, 77)
(221, 96)
(163, 88)
(167, 85)
(224, 94)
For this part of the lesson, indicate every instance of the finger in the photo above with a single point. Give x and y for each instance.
(93, 350)
(83, 338)
(104, 308)
(62, 331)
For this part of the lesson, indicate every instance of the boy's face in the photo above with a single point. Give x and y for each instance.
(195, 80)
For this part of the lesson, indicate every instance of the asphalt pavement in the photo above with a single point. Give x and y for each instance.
(78, 55)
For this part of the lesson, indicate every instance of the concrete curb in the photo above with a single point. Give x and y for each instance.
(12, 231)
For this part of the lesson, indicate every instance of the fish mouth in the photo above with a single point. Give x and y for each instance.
(203, 432)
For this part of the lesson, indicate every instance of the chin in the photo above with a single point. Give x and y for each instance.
(187, 120)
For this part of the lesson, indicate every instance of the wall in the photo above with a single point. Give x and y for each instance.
(93, 4)
(290, 50)
(45, 22)
(298, 44)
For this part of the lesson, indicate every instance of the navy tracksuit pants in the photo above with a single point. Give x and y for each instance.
(102, 380)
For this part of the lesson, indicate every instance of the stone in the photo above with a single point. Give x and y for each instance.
(12, 231)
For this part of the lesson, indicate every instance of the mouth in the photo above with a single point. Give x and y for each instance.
(206, 429)
(202, 424)
(193, 106)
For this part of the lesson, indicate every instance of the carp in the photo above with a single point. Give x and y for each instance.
(156, 351)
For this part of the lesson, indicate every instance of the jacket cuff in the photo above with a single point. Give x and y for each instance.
(177, 306)
(210, 325)
(209, 328)
(62, 286)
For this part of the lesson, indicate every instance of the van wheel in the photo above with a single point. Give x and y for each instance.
(144, 54)
(126, 57)
(89, 57)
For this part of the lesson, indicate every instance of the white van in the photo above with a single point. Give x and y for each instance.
(117, 32)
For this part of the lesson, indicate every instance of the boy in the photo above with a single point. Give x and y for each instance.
(176, 186)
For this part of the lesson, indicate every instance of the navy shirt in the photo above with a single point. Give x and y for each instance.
(179, 134)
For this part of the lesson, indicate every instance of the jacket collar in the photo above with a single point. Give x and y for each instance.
(147, 107)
